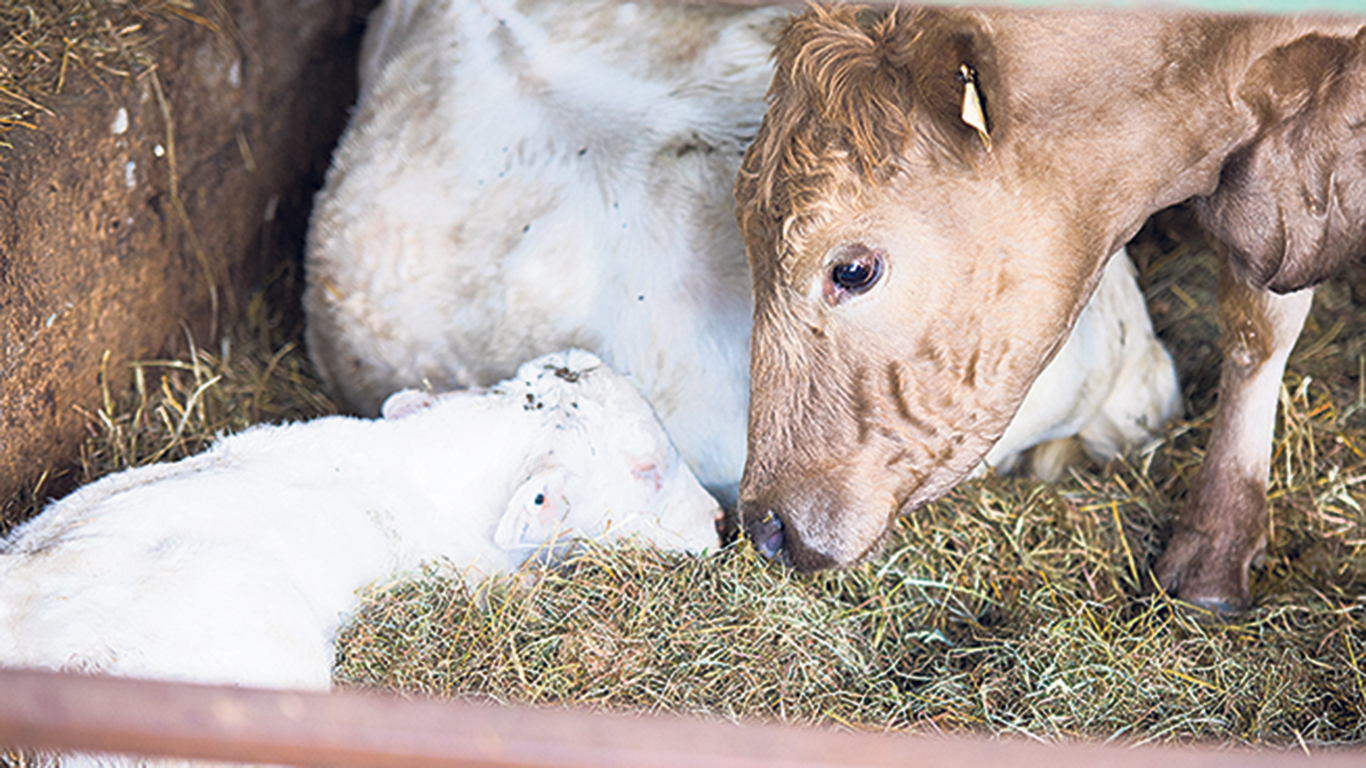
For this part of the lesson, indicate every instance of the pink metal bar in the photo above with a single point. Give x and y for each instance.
(45, 710)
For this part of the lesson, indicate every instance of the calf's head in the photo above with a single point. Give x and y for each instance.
(604, 469)
(912, 275)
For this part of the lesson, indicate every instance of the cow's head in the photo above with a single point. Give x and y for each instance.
(920, 246)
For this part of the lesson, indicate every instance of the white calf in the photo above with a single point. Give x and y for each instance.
(238, 565)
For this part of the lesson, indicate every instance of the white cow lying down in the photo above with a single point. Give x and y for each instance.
(523, 176)
(238, 565)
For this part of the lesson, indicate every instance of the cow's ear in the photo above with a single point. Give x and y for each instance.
(1291, 203)
(955, 83)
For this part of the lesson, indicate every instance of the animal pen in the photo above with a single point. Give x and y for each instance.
(181, 142)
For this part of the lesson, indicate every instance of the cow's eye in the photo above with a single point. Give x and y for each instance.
(855, 277)
(857, 269)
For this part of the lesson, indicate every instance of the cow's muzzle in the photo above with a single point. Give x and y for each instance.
(769, 537)
(778, 541)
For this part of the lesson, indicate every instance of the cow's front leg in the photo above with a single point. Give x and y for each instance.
(1223, 526)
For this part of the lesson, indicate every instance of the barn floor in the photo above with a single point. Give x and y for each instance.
(1008, 607)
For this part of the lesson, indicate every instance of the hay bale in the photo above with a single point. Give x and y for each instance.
(158, 161)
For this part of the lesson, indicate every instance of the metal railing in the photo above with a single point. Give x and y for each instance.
(42, 710)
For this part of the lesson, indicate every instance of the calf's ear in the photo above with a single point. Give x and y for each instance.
(1291, 202)
(406, 402)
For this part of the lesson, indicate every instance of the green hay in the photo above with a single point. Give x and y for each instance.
(622, 628)
(1007, 607)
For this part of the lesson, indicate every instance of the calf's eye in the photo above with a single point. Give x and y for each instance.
(857, 269)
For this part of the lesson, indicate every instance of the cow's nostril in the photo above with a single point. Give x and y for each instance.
(767, 535)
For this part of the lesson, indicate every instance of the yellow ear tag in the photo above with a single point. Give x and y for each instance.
(973, 114)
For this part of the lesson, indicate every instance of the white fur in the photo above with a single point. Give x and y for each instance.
(238, 565)
(1112, 384)
(522, 176)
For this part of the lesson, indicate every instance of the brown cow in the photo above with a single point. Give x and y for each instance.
(932, 197)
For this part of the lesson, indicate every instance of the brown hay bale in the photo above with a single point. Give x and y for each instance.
(153, 163)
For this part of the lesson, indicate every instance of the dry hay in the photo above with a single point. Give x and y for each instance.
(1007, 607)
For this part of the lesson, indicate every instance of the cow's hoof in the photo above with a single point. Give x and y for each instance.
(1207, 574)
